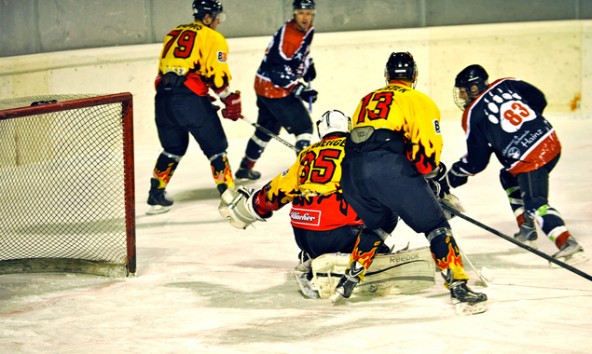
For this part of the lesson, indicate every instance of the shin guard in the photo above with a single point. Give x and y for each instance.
(221, 172)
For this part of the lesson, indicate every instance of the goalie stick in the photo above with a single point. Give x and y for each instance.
(271, 134)
(309, 86)
(517, 243)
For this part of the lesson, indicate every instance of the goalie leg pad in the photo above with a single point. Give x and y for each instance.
(405, 272)
(236, 206)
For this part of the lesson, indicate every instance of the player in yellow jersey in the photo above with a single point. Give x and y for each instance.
(394, 146)
(321, 219)
(193, 61)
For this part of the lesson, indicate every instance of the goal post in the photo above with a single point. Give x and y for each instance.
(67, 199)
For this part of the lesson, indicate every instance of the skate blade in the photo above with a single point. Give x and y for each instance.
(306, 287)
(337, 298)
(157, 209)
(470, 308)
(574, 259)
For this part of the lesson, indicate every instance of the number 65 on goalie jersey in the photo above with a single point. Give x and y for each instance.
(311, 184)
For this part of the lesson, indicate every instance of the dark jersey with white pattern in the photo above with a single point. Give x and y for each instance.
(507, 120)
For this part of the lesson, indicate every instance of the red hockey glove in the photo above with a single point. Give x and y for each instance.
(233, 108)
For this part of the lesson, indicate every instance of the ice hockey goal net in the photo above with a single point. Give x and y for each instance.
(67, 185)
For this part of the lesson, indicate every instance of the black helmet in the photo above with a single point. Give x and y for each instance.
(303, 5)
(401, 66)
(204, 7)
(473, 81)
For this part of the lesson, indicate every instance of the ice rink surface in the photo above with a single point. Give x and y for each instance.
(205, 287)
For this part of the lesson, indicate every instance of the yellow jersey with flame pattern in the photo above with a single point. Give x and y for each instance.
(402, 109)
(200, 54)
(311, 184)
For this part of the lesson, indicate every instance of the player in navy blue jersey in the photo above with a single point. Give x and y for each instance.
(505, 118)
(280, 87)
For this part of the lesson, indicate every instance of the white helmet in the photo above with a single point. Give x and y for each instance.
(333, 121)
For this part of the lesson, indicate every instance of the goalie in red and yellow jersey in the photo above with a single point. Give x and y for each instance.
(322, 221)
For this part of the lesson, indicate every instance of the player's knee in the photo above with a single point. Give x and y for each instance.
(442, 229)
(175, 154)
(507, 180)
(536, 206)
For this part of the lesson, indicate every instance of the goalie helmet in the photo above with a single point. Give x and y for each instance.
(401, 66)
(469, 84)
(203, 7)
(333, 121)
(303, 5)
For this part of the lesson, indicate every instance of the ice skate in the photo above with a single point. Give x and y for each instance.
(527, 233)
(306, 284)
(347, 283)
(571, 253)
(157, 199)
(247, 174)
(465, 300)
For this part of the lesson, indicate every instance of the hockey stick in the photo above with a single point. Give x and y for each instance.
(271, 134)
(309, 85)
(464, 256)
(517, 243)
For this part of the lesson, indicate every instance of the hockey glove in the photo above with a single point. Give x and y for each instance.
(310, 73)
(304, 93)
(236, 206)
(233, 109)
(456, 177)
(438, 181)
(453, 202)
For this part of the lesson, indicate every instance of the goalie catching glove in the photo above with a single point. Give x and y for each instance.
(438, 182)
(236, 206)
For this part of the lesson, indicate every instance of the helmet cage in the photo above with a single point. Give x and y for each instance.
(469, 84)
(333, 121)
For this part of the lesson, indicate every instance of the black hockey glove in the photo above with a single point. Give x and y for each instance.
(310, 73)
(438, 181)
(304, 93)
(456, 177)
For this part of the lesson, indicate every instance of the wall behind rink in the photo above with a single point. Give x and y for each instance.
(555, 56)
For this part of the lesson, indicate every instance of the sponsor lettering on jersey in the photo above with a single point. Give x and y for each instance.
(305, 217)
(222, 57)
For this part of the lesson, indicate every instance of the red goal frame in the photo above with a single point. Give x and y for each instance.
(126, 100)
